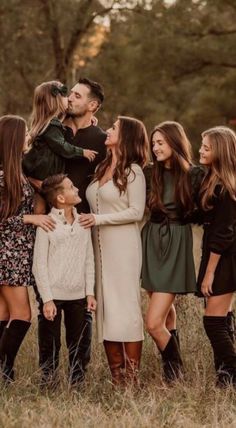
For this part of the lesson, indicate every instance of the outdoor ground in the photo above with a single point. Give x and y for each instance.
(190, 404)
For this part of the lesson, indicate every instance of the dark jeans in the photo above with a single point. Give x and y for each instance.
(78, 326)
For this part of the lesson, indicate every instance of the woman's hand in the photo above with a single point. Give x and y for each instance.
(87, 220)
(41, 220)
(49, 310)
(91, 303)
(207, 282)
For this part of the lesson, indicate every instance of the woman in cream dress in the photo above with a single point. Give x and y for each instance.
(117, 200)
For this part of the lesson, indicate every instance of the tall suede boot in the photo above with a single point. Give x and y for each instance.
(223, 349)
(116, 360)
(133, 351)
(10, 342)
(172, 361)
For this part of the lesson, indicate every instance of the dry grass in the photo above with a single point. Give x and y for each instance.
(193, 403)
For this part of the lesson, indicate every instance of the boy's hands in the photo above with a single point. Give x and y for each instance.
(89, 154)
(49, 310)
(91, 303)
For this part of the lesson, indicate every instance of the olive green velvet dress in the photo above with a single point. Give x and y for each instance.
(168, 265)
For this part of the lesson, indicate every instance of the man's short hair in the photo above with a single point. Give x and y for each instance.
(51, 187)
(96, 90)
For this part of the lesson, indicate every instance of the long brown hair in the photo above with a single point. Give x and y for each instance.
(132, 148)
(46, 106)
(180, 161)
(223, 168)
(12, 138)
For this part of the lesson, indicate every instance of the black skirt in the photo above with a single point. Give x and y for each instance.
(225, 273)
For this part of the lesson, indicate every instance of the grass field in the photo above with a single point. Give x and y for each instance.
(193, 403)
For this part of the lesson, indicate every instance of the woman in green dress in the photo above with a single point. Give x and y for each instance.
(168, 266)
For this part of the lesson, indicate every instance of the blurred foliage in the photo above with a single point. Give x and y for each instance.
(176, 62)
(158, 60)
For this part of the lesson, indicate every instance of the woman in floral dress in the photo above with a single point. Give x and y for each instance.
(17, 228)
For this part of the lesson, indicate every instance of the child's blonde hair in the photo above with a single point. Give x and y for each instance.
(47, 103)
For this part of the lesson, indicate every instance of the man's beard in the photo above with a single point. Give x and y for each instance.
(72, 114)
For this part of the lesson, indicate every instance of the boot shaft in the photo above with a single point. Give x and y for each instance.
(10, 342)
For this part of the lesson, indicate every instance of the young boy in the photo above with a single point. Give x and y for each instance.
(63, 267)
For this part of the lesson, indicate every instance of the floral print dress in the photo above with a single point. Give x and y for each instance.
(17, 242)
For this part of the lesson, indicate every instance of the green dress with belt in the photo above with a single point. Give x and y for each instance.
(167, 245)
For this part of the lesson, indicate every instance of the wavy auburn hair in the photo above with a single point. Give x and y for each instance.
(45, 107)
(180, 162)
(223, 168)
(12, 139)
(132, 148)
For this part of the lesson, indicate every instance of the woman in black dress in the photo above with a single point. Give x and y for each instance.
(16, 241)
(217, 274)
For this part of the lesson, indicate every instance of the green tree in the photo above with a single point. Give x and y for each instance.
(39, 40)
(172, 62)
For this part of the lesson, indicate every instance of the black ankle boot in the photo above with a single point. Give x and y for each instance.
(10, 342)
(230, 321)
(172, 361)
(223, 349)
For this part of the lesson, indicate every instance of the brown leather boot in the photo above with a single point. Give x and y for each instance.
(133, 352)
(115, 357)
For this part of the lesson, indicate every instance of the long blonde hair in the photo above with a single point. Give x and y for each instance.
(223, 167)
(181, 161)
(47, 104)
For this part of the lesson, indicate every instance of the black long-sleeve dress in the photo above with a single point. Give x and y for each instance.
(219, 237)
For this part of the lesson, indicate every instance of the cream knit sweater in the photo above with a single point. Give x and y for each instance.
(63, 263)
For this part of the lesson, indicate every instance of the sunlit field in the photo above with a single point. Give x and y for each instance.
(194, 402)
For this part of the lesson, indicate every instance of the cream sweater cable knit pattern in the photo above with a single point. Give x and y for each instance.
(63, 264)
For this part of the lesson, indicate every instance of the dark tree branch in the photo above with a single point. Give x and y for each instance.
(79, 32)
(200, 67)
(211, 32)
(49, 9)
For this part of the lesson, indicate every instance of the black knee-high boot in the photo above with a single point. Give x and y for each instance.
(223, 349)
(3, 324)
(172, 361)
(10, 342)
(230, 321)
